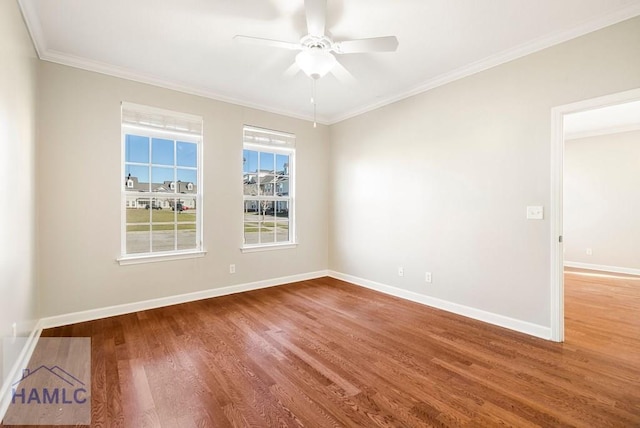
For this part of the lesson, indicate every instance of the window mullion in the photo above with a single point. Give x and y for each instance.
(268, 200)
(175, 180)
(259, 181)
(144, 153)
(150, 198)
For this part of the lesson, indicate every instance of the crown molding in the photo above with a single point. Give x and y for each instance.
(150, 79)
(602, 131)
(503, 57)
(35, 30)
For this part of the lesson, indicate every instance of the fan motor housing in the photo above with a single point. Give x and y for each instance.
(316, 42)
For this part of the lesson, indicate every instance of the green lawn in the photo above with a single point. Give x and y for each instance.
(145, 227)
(142, 216)
(159, 216)
(281, 225)
(266, 226)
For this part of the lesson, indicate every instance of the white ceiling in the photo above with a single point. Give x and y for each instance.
(187, 44)
(601, 121)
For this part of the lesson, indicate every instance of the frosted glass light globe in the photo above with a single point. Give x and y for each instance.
(315, 62)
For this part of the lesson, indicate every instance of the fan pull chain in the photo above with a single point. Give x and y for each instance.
(313, 101)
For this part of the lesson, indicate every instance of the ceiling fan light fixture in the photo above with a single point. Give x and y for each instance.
(315, 62)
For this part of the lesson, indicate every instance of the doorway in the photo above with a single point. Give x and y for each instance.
(561, 117)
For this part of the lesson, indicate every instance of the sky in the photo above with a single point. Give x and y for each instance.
(254, 160)
(167, 157)
(163, 158)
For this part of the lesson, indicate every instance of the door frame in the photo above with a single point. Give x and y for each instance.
(556, 209)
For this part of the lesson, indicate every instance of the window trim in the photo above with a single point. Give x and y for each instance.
(268, 247)
(199, 251)
(160, 257)
(291, 152)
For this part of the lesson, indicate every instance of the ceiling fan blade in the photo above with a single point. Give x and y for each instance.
(376, 44)
(292, 70)
(316, 11)
(267, 42)
(343, 75)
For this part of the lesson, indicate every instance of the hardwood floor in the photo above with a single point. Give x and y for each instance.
(326, 353)
(602, 313)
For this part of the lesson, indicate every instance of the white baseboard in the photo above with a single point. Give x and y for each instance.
(127, 308)
(604, 268)
(93, 314)
(16, 370)
(469, 312)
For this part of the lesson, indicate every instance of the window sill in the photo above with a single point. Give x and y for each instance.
(257, 248)
(152, 258)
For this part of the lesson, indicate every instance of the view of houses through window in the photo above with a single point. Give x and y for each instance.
(267, 173)
(160, 187)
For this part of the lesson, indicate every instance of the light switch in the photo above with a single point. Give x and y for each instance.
(535, 213)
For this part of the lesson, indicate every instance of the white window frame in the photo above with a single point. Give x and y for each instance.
(267, 147)
(174, 134)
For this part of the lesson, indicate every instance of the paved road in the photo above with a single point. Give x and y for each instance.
(163, 240)
(267, 236)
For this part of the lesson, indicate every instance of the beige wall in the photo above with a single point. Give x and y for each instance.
(440, 182)
(18, 297)
(602, 200)
(79, 195)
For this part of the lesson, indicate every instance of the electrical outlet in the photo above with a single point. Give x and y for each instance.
(232, 268)
(400, 271)
(589, 252)
(535, 212)
(427, 277)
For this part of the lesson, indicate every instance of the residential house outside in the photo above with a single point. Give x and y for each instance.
(170, 188)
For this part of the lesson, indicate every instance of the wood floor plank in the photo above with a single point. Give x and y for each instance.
(325, 353)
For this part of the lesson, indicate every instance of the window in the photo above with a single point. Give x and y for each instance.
(268, 181)
(161, 196)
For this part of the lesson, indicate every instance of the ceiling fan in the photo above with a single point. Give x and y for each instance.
(316, 58)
